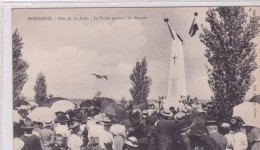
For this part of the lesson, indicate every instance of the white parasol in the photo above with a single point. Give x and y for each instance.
(249, 112)
(42, 114)
(62, 105)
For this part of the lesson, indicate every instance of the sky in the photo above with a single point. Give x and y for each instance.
(107, 42)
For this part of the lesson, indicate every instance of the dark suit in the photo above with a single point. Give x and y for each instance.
(220, 139)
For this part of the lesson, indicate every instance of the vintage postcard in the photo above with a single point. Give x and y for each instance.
(137, 78)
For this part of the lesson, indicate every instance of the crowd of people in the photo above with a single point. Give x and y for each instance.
(89, 128)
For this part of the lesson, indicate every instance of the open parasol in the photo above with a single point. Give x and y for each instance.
(42, 114)
(62, 105)
(249, 112)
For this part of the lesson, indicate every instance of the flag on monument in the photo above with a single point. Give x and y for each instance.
(194, 26)
(179, 38)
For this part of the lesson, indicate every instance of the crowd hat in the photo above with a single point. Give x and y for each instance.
(225, 125)
(61, 118)
(79, 117)
(104, 120)
(236, 120)
(48, 123)
(28, 124)
(131, 141)
(166, 113)
(23, 107)
(211, 123)
(73, 125)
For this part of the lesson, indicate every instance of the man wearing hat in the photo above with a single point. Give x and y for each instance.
(47, 135)
(212, 129)
(166, 114)
(61, 126)
(99, 132)
(31, 142)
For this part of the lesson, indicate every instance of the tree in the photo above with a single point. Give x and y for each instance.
(40, 89)
(140, 81)
(20, 66)
(231, 54)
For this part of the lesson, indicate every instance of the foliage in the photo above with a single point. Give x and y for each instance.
(141, 82)
(231, 55)
(20, 66)
(40, 89)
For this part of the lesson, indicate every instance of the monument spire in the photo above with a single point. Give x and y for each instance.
(177, 79)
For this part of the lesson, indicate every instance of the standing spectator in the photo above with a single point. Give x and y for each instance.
(212, 129)
(61, 124)
(240, 138)
(47, 136)
(254, 138)
(119, 132)
(75, 141)
(229, 134)
(31, 142)
(18, 144)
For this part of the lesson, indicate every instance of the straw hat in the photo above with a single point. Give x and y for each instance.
(225, 125)
(131, 141)
(166, 113)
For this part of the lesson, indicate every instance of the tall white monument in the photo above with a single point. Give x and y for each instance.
(177, 78)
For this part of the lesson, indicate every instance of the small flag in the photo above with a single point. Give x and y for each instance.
(179, 38)
(194, 26)
(167, 21)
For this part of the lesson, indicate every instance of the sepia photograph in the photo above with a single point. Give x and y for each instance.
(136, 78)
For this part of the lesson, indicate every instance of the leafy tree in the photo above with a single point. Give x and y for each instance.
(140, 81)
(40, 89)
(20, 66)
(231, 54)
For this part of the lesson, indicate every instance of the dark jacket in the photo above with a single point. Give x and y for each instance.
(31, 142)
